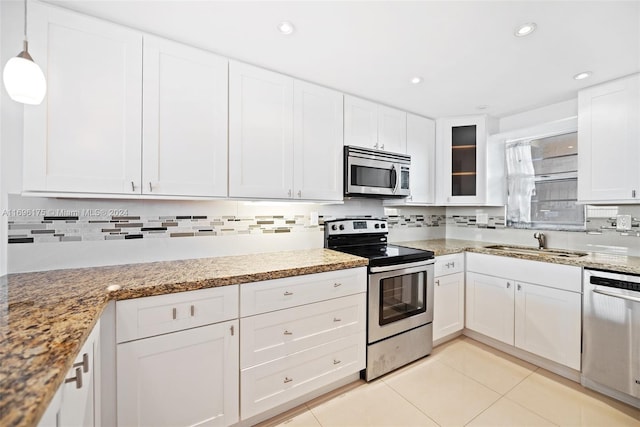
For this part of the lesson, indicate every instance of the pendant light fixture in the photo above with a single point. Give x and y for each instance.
(23, 79)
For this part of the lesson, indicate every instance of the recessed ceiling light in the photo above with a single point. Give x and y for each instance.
(583, 75)
(286, 27)
(525, 29)
(416, 80)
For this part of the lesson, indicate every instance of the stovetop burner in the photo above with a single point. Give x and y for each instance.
(367, 238)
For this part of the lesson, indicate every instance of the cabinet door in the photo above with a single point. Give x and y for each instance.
(79, 389)
(318, 142)
(548, 323)
(463, 160)
(490, 306)
(609, 131)
(85, 136)
(448, 305)
(421, 146)
(185, 120)
(360, 123)
(260, 133)
(392, 129)
(185, 378)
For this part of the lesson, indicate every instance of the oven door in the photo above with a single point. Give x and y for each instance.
(400, 299)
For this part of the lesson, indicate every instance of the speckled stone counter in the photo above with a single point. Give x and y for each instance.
(619, 263)
(45, 317)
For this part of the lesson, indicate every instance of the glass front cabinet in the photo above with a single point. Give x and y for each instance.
(462, 164)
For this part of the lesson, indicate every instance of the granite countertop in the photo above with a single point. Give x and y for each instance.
(619, 263)
(45, 317)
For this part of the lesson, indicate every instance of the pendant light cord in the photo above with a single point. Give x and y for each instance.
(25, 20)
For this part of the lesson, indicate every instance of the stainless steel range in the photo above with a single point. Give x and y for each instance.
(400, 293)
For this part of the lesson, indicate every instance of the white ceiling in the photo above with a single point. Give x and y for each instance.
(465, 50)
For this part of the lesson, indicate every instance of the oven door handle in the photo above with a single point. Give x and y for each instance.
(400, 266)
(625, 297)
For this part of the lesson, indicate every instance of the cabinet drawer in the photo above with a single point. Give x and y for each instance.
(145, 317)
(558, 276)
(449, 264)
(271, 295)
(266, 386)
(270, 336)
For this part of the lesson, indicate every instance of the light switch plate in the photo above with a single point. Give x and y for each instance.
(623, 222)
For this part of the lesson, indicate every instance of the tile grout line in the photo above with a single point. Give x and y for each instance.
(409, 402)
(530, 410)
(306, 405)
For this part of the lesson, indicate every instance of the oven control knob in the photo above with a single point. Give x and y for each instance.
(341, 227)
(377, 226)
(334, 227)
(383, 226)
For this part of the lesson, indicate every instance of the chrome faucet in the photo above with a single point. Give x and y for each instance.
(540, 238)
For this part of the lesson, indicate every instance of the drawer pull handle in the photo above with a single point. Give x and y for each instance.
(193, 310)
(335, 285)
(287, 332)
(287, 293)
(77, 379)
(233, 330)
(337, 319)
(84, 364)
(287, 380)
(175, 313)
(133, 186)
(336, 361)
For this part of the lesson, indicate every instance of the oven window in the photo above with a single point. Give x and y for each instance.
(402, 296)
(366, 176)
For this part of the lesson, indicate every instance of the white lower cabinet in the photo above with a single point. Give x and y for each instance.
(543, 318)
(296, 340)
(76, 403)
(448, 296)
(188, 377)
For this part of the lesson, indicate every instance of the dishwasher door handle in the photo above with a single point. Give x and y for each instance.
(609, 294)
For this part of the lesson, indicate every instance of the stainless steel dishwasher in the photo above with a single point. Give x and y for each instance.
(611, 334)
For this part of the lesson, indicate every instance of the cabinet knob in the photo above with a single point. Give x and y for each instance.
(289, 193)
(382, 147)
(233, 330)
(299, 194)
(287, 293)
(633, 193)
(438, 282)
(336, 361)
(337, 319)
(335, 285)
(508, 285)
(287, 332)
(150, 187)
(133, 186)
(519, 287)
(287, 380)
(77, 379)
(84, 364)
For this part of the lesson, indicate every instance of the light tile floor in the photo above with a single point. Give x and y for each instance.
(463, 383)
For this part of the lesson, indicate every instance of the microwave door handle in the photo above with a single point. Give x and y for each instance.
(394, 178)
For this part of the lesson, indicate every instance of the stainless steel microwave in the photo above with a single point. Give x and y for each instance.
(375, 173)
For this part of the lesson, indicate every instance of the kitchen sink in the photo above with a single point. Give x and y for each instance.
(525, 250)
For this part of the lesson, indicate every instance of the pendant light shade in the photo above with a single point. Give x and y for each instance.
(23, 79)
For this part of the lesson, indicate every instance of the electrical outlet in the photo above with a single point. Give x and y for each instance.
(482, 219)
(623, 222)
(313, 218)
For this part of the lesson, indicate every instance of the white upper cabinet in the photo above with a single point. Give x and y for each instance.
(370, 125)
(318, 141)
(421, 146)
(85, 136)
(260, 133)
(185, 120)
(285, 137)
(609, 141)
(462, 165)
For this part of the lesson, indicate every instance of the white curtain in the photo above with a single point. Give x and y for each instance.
(520, 182)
